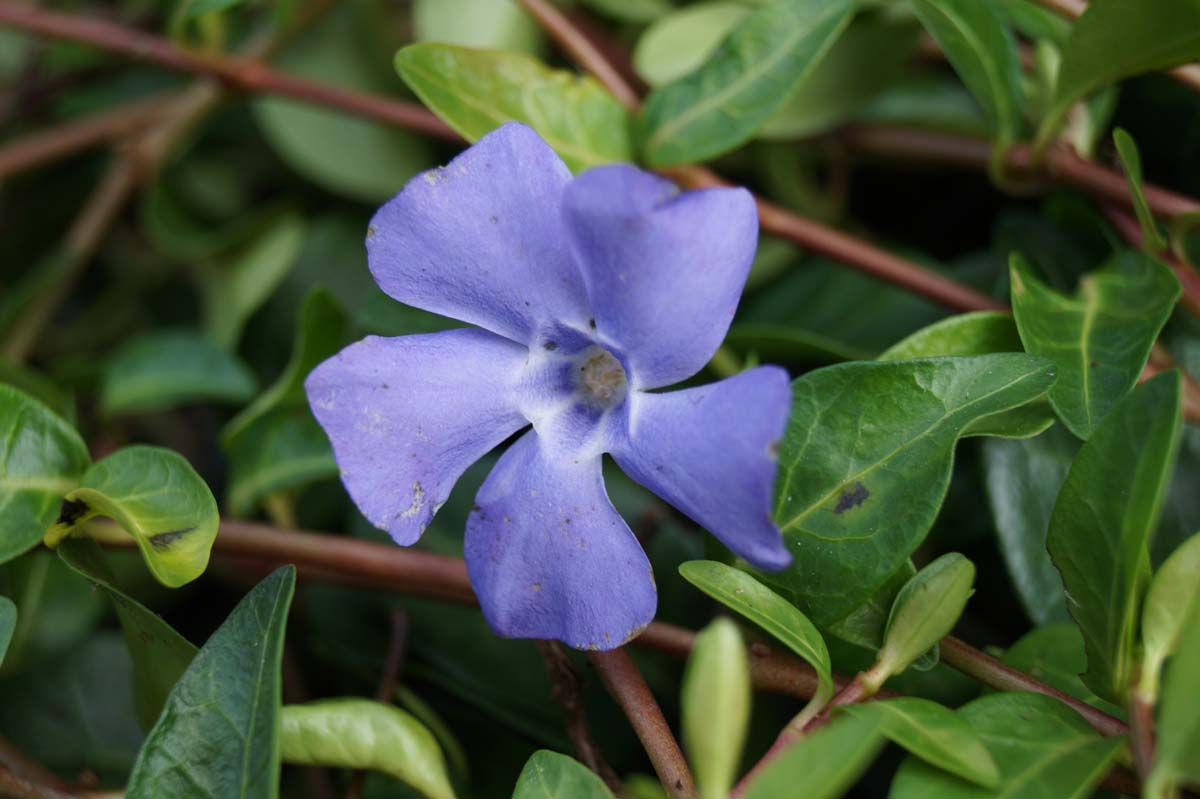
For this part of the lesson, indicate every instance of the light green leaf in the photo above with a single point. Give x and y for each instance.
(682, 41)
(1179, 716)
(8, 623)
(925, 611)
(1101, 338)
(284, 450)
(160, 655)
(866, 460)
(41, 459)
(1131, 162)
(630, 10)
(742, 593)
(823, 764)
(156, 496)
(1034, 21)
(1044, 750)
(218, 736)
(549, 775)
(1174, 590)
(361, 734)
(716, 707)
(477, 91)
(1103, 523)
(934, 733)
(486, 24)
(727, 100)
(1055, 655)
(167, 368)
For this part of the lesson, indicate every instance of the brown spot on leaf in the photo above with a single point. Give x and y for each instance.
(852, 497)
(71, 511)
(166, 540)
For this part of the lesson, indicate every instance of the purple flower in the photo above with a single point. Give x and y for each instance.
(591, 291)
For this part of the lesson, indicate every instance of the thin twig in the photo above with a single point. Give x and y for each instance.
(568, 692)
(627, 686)
(386, 689)
(1131, 231)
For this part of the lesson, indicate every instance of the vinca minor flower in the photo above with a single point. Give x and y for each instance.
(591, 292)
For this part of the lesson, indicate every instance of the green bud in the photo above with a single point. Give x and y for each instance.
(716, 707)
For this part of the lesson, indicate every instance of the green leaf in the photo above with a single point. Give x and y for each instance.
(1103, 522)
(866, 460)
(1131, 162)
(218, 736)
(1044, 750)
(1178, 738)
(361, 734)
(160, 655)
(1101, 338)
(58, 610)
(41, 459)
(8, 623)
(40, 387)
(549, 775)
(727, 100)
(156, 496)
(477, 91)
(164, 369)
(925, 611)
(235, 288)
(485, 24)
(929, 102)
(740, 592)
(284, 450)
(823, 764)
(1055, 655)
(1115, 39)
(716, 707)
(682, 41)
(630, 10)
(1174, 590)
(934, 733)
(1022, 480)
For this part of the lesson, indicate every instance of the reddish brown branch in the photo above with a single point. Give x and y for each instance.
(568, 692)
(386, 690)
(1131, 231)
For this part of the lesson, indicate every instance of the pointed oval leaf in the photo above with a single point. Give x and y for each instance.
(748, 78)
(681, 41)
(1043, 749)
(8, 623)
(1131, 162)
(1055, 655)
(1101, 338)
(925, 611)
(156, 496)
(218, 736)
(866, 460)
(549, 775)
(486, 24)
(716, 707)
(41, 459)
(1103, 522)
(740, 592)
(361, 734)
(823, 764)
(1179, 713)
(932, 732)
(1173, 591)
(477, 91)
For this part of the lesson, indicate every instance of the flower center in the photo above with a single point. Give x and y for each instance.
(602, 379)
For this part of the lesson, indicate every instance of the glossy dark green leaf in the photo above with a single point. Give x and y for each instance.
(1022, 480)
(284, 450)
(1131, 162)
(549, 775)
(932, 732)
(866, 460)
(156, 496)
(716, 707)
(822, 764)
(1055, 655)
(1179, 714)
(681, 41)
(361, 734)
(8, 623)
(1173, 591)
(218, 736)
(1103, 523)
(41, 459)
(925, 611)
(748, 78)
(1044, 750)
(1099, 339)
(476, 91)
(160, 655)
(163, 369)
(483, 24)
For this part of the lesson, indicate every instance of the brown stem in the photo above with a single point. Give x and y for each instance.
(568, 692)
(627, 686)
(386, 689)
(1141, 733)
(20, 764)
(17, 787)
(1131, 231)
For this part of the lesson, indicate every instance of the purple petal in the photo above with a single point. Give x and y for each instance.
(712, 453)
(549, 557)
(482, 239)
(408, 415)
(663, 270)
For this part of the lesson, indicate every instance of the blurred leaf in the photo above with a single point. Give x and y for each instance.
(681, 41)
(286, 449)
(485, 24)
(1131, 162)
(1100, 339)
(865, 625)
(826, 763)
(925, 611)
(784, 343)
(58, 610)
(156, 496)
(1104, 520)
(358, 158)
(164, 369)
(160, 655)
(742, 593)
(630, 10)
(549, 775)
(748, 78)
(40, 387)
(179, 232)
(1178, 738)
(1173, 592)
(41, 459)
(934, 733)
(476, 91)
(1034, 21)
(218, 736)
(1044, 750)
(8, 622)
(931, 102)
(716, 707)
(1055, 655)
(862, 477)
(361, 734)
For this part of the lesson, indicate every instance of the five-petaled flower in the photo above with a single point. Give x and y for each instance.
(591, 291)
